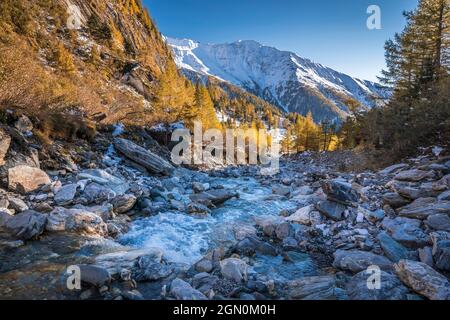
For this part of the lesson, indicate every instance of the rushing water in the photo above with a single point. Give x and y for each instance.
(186, 238)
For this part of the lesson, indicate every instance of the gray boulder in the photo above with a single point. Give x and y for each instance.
(94, 275)
(414, 175)
(123, 203)
(26, 225)
(340, 191)
(391, 248)
(143, 157)
(423, 279)
(182, 290)
(66, 194)
(234, 269)
(76, 220)
(391, 288)
(441, 250)
(440, 222)
(213, 197)
(395, 200)
(424, 207)
(331, 210)
(356, 261)
(313, 288)
(406, 231)
(17, 204)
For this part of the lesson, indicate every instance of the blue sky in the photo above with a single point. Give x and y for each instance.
(331, 32)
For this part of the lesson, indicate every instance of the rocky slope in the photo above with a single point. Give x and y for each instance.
(282, 78)
(139, 232)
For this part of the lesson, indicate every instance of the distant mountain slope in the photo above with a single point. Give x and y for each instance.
(282, 78)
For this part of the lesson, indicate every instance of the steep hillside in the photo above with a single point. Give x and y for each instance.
(282, 78)
(96, 58)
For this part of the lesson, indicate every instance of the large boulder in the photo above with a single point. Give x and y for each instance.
(143, 157)
(406, 231)
(76, 220)
(340, 191)
(356, 261)
(423, 279)
(5, 142)
(182, 290)
(234, 269)
(26, 225)
(97, 193)
(25, 179)
(390, 288)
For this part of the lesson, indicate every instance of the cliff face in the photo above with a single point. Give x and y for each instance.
(98, 58)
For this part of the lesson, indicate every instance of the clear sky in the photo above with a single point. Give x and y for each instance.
(330, 32)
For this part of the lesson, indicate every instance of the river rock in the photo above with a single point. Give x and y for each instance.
(123, 203)
(423, 279)
(406, 231)
(234, 269)
(76, 220)
(94, 275)
(395, 200)
(281, 190)
(5, 142)
(116, 262)
(143, 157)
(182, 290)
(441, 250)
(213, 197)
(268, 224)
(66, 194)
(147, 269)
(416, 193)
(25, 179)
(313, 288)
(204, 282)
(414, 175)
(17, 204)
(426, 256)
(26, 225)
(103, 178)
(340, 191)
(390, 288)
(439, 222)
(444, 196)
(306, 216)
(250, 245)
(442, 184)
(391, 248)
(356, 261)
(96, 193)
(331, 210)
(284, 230)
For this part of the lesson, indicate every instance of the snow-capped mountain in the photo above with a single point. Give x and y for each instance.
(282, 78)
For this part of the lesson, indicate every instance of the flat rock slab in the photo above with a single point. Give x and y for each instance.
(412, 175)
(313, 288)
(182, 290)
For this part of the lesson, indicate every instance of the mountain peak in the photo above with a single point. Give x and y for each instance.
(282, 78)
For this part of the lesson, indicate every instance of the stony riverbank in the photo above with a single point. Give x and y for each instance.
(141, 228)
